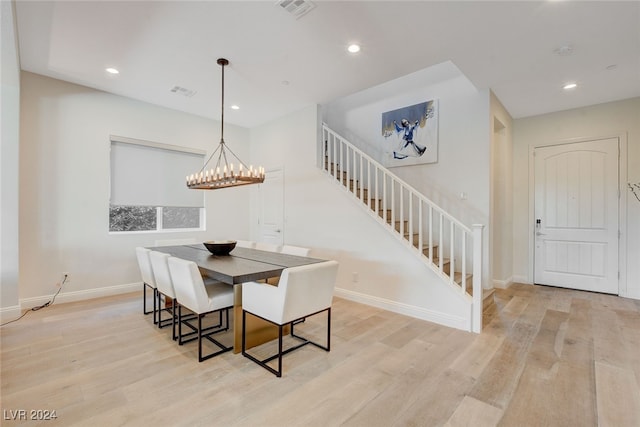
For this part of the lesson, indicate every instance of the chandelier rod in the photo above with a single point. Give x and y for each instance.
(222, 62)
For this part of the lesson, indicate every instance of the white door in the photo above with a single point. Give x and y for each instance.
(576, 215)
(272, 207)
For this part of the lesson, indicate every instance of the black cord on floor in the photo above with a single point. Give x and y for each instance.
(40, 307)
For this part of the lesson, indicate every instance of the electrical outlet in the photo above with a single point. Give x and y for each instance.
(355, 277)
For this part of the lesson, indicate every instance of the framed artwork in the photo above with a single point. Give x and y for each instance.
(410, 135)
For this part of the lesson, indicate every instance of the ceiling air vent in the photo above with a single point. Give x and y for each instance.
(183, 91)
(297, 8)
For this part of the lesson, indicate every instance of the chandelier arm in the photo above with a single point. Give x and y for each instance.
(226, 162)
(220, 158)
(209, 159)
(238, 158)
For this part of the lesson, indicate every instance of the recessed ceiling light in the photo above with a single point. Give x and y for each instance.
(112, 71)
(570, 86)
(235, 107)
(612, 67)
(354, 48)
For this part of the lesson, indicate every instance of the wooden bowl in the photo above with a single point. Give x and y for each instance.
(220, 247)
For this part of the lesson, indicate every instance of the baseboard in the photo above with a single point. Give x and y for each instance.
(10, 313)
(86, 294)
(631, 295)
(503, 284)
(521, 279)
(408, 310)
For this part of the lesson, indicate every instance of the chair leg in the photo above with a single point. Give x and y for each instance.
(279, 373)
(263, 363)
(281, 352)
(306, 341)
(329, 329)
(199, 337)
(187, 337)
(173, 321)
(208, 332)
(159, 300)
(155, 307)
(144, 299)
(165, 322)
(244, 329)
(179, 324)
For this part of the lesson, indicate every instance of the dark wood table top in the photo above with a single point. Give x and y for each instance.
(241, 265)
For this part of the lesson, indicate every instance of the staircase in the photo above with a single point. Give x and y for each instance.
(443, 243)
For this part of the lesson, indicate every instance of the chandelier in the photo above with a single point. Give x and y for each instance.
(223, 175)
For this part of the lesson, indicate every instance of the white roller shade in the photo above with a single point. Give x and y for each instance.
(149, 174)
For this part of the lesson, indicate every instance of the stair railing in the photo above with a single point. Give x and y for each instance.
(422, 225)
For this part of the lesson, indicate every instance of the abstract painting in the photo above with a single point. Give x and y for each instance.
(410, 135)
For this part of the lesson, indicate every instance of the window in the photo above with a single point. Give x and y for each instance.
(148, 191)
(132, 218)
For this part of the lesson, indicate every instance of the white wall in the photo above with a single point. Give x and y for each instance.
(464, 127)
(613, 119)
(9, 150)
(64, 186)
(501, 243)
(321, 215)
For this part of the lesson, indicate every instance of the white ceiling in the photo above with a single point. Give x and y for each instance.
(279, 64)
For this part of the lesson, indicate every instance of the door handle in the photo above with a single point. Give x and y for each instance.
(278, 231)
(540, 234)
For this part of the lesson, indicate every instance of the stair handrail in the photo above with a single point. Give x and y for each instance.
(397, 179)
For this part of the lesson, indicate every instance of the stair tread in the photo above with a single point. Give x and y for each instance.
(458, 275)
(488, 293)
(488, 298)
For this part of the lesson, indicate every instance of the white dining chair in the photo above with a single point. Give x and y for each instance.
(201, 300)
(289, 250)
(295, 250)
(303, 292)
(164, 286)
(264, 246)
(148, 280)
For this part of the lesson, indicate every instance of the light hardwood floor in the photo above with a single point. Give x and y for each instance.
(546, 357)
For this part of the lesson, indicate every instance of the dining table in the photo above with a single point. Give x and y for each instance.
(239, 266)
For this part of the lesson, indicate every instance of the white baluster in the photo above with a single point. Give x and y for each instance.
(440, 247)
(477, 278)
(452, 244)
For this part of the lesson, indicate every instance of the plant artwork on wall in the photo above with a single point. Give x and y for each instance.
(410, 135)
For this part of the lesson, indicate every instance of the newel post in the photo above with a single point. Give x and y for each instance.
(476, 311)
